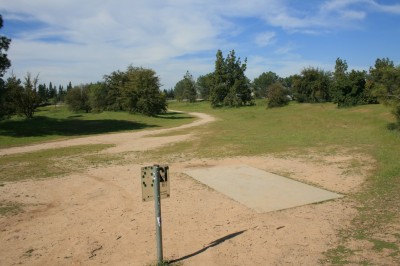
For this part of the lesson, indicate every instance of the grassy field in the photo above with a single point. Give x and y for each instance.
(55, 123)
(297, 129)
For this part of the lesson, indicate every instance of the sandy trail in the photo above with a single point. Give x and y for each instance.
(97, 218)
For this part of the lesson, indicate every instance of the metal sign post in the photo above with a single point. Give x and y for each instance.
(157, 205)
(155, 185)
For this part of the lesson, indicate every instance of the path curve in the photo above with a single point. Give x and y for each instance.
(127, 141)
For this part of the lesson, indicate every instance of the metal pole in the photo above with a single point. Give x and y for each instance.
(157, 205)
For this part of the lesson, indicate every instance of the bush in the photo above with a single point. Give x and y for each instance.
(277, 96)
(77, 99)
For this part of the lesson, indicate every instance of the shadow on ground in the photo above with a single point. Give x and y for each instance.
(210, 245)
(45, 126)
(174, 115)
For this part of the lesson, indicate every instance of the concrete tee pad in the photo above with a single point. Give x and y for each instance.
(259, 190)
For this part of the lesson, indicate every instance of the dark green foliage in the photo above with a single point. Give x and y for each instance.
(4, 45)
(142, 92)
(262, 83)
(204, 84)
(5, 107)
(77, 99)
(312, 86)
(349, 88)
(384, 81)
(169, 94)
(98, 96)
(231, 86)
(114, 84)
(135, 90)
(25, 98)
(8, 92)
(179, 90)
(185, 89)
(43, 95)
(277, 95)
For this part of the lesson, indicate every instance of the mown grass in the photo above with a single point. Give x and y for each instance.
(296, 128)
(54, 123)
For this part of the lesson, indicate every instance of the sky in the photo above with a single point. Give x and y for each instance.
(81, 41)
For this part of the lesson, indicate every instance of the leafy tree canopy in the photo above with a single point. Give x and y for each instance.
(262, 82)
(231, 86)
(186, 88)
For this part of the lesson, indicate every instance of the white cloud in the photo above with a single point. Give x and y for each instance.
(265, 38)
(102, 36)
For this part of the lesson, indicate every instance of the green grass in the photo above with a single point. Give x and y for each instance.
(52, 162)
(10, 208)
(54, 123)
(297, 127)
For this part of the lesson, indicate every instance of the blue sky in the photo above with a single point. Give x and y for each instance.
(80, 41)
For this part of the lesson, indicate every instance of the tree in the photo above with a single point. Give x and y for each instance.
(205, 84)
(69, 86)
(262, 82)
(42, 91)
(231, 86)
(384, 80)
(142, 92)
(77, 99)
(11, 87)
(135, 90)
(350, 88)
(169, 93)
(5, 105)
(114, 84)
(26, 97)
(4, 45)
(186, 88)
(179, 90)
(313, 85)
(98, 96)
(277, 95)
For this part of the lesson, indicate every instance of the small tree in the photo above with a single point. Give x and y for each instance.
(205, 84)
(179, 90)
(231, 86)
(5, 105)
(262, 83)
(26, 97)
(186, 88)
(384, 79)
(142, 92)
(98, 96)
(10, 89)
(77, 99)
(313, 85)
(277, 95)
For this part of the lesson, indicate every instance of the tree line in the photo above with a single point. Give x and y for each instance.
(227, 85)
(137, 89)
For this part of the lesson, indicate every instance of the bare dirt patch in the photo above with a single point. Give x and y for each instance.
(97, 216)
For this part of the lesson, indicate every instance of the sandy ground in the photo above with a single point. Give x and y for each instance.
(97, 216)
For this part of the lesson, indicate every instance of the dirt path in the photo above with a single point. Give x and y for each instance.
(97, 217)
(128, 141)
